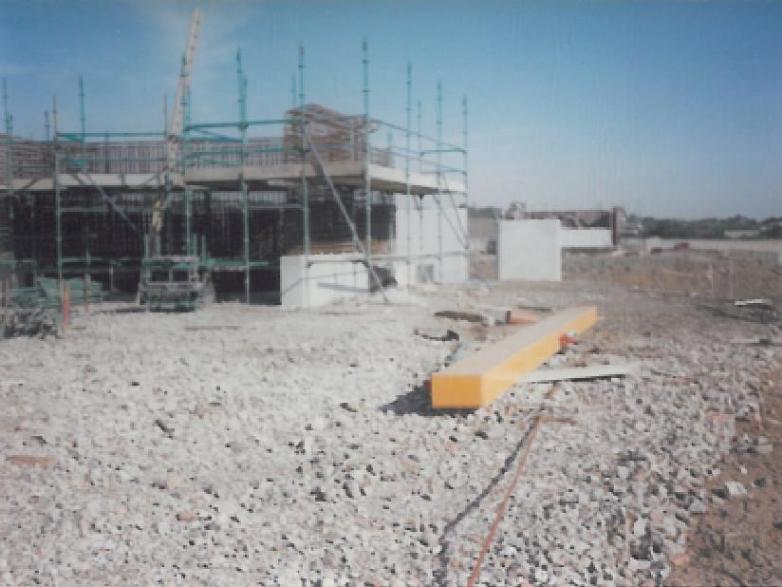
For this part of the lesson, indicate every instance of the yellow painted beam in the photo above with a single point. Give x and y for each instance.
(479, 379)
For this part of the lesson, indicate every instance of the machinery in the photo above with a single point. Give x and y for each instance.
(173, 282)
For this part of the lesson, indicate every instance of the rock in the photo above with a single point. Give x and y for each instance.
(635, 565)
(762, 446)
(173, 481)
(352, 490)
(428, 537)
(167, 430)
(697, 507)
(348, 407)
(541, 576)
(735, 489)
(187, 516)
(639, 528)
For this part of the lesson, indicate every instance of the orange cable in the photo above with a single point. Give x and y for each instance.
(504, 504)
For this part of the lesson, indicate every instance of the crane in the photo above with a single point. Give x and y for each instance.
(174, 281)
(176, 124)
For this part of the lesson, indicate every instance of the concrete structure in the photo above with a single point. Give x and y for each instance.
(429, 244)
(530, 250)
(586, 238)
(317, 181)
(480, 378)
(321, 279)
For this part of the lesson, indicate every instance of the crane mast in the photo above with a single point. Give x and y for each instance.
(175, 129)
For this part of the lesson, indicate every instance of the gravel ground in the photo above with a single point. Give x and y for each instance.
(239, 446)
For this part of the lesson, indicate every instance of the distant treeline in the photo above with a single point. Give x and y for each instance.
(710, 227)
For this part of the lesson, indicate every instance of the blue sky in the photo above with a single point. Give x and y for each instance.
(667, 108)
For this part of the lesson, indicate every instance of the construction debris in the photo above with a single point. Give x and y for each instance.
(755, 302)
(476, 317)
(437, 334)
(579, 373)
(28, 322)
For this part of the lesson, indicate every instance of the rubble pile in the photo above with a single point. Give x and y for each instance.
(250, 445)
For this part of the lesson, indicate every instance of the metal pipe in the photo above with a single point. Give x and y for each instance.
(293, 91)
(305, 196)
(420, 135)
(367, 154)
(9, 142)
(242, 86)
(57, 202)
(83, 123)
(439, 174)
(408, 203)
(466, 184)
(420, 163)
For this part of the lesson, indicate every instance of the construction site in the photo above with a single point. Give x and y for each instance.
(294, 352)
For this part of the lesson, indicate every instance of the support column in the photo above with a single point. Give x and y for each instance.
(83, 121)
(408, 197)
(242, 81)
(466, 185)
(305, 195)
(57, 200)
(305, 199)
(367, 162)
(439, 177)
(420, 168)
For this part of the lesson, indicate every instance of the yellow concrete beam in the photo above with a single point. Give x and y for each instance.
(479, 379)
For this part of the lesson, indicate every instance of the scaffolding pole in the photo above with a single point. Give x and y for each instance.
(408, 202)
(367, 158)
(305, 194)
(293, 91)
(305, 198)
(83, 125)
(420, 162)
(439, 176)
(242, 82)
(466, 186)
(9, 142)
(57, 197)
(187, 194)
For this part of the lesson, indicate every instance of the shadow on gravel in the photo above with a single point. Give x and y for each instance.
(444, 558)
(418, 401)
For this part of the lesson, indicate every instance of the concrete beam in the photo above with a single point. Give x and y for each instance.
(126, 181)
(479, 379)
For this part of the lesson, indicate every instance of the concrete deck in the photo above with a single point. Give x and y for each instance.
(344, 173)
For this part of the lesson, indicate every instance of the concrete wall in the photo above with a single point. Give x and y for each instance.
(328, 279)
(530, 250)
(483, 234)
(586, 238)
(426, 233)
(437, 248)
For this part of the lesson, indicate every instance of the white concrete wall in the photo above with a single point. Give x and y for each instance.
(333, 277)
(329, 278)
(585, 238)
(425, 232)
(530, 250)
